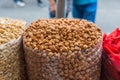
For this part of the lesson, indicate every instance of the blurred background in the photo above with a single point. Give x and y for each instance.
(108, 12)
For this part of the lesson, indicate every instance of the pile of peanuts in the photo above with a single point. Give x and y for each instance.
(12, 65)
(62, 49)
(61, 35)
(10, 29)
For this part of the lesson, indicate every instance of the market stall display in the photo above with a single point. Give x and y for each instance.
(11, 54)
(63, 49)
(111, 56)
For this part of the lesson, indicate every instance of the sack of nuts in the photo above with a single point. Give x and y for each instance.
(62, 49)
(12, 65)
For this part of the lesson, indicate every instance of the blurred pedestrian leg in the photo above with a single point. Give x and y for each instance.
(85, 9)
(53, 6)
(19, 3)
(40, 3)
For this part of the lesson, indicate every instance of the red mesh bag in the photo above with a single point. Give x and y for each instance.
(111, 56)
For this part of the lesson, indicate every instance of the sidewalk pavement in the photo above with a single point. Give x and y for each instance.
(108, 13)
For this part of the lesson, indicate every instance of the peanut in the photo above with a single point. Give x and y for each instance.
(69, 45)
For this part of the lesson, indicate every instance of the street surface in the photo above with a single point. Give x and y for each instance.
(108, 13)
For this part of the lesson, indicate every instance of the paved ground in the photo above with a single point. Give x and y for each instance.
(108, 17)
(108, 13)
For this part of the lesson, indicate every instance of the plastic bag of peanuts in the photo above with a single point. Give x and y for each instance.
(62, 49)
(12, 65)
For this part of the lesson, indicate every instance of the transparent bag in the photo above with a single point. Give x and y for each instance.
(83, 64)
(12, 65)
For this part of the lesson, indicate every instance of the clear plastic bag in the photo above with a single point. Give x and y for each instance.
(12, 65)
(78, 65)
